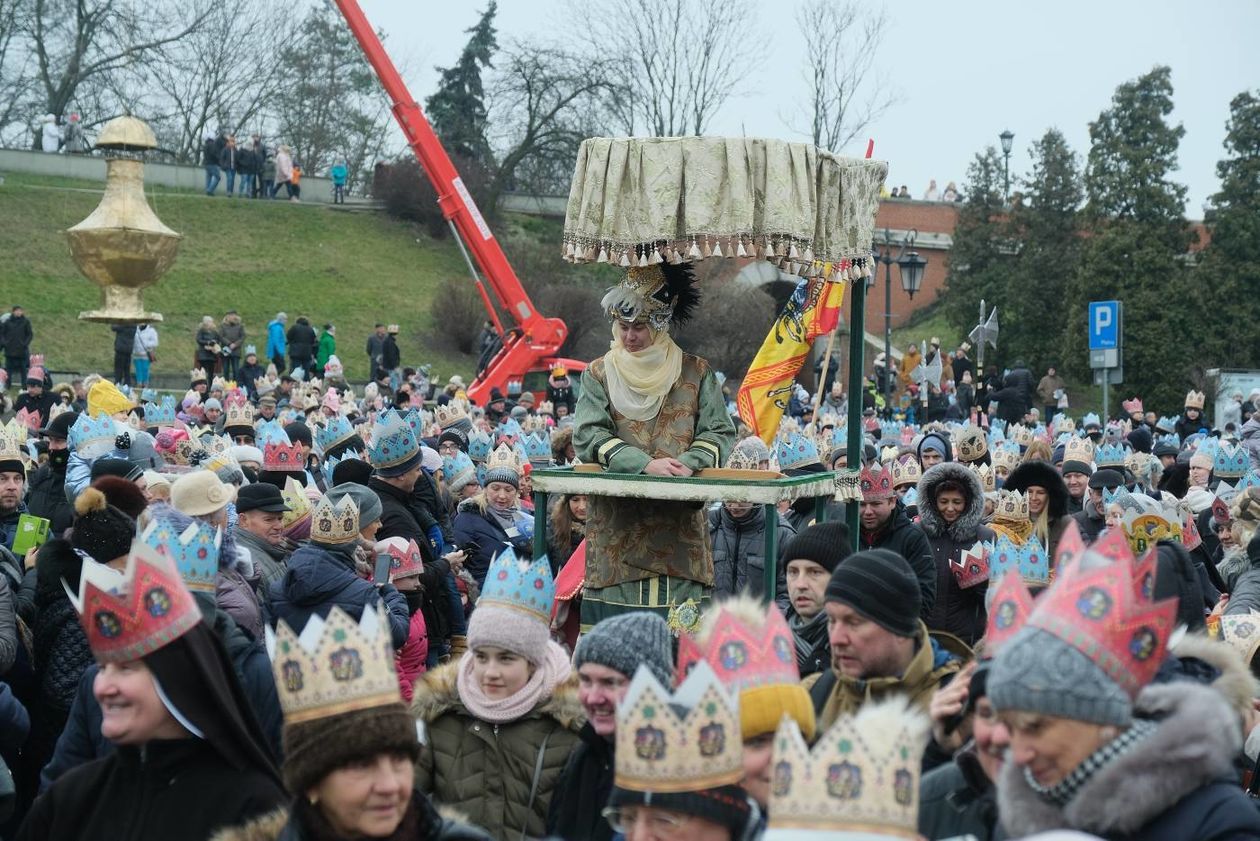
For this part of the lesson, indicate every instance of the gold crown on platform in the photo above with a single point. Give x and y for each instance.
(688, 740)
(335, 522)
(1011, 505)
(862, 775)
(335, 665)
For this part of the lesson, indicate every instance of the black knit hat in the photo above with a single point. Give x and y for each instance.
(826, 544)
(725, 805)
(881, 586)
(457, 436)
(352, 470)
(100, 529)
(1106, 478)
(1140, 439)
(313, 749)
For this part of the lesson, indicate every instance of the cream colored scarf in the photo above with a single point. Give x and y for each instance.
(639, 381)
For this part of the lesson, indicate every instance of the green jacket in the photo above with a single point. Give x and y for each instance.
(485, 771)
(327, 347)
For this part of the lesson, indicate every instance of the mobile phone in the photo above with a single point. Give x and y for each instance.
(470, 548)
(383, 563)
(32, 531)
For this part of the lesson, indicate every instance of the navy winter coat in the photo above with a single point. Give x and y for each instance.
(472, 524)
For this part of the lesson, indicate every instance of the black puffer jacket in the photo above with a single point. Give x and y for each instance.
(957, 611)
(902, 536)
(46, 497)
(739, 554)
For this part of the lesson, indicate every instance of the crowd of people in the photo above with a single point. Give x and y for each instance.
(272, 608)
(257, 171)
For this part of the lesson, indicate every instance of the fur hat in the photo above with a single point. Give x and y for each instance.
(313, 749)
(122, 494)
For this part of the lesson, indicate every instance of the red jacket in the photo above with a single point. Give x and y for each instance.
(410, 659)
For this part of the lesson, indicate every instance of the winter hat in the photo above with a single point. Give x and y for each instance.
(123, 494)
(514, 611)
(59, 427)
(105, 397)
(100, 529)
(115, 467)
(826, 544)
(1175, 576)
(299, 433)
(1106, 478)
(1140, 439)
(881, 586)
(625, 642)
(243, 453)
(200, 493)
(456, 436)
(352, 470)
(313, 749)
(935, 441)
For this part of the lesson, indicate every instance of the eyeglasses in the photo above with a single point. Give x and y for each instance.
(659, 823)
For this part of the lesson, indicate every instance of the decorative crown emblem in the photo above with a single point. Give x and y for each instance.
(1110, 455)
(875, 485)
(28, 421)
(335, 522)
(1005, 458)
(405, 558)
(1145, 529)
(195, 550)
(283, 456)
(1078, 449)
(520, 585)
(333, 432)
(11, 446)
(1062, 423)
(335, 665)
(971, 444)
(688, 740)
(1011, 505)
(796, 450)
(972, 567)
(1104, 611)
(1091, 420)
(546, 408)
(1009, 607)
(862, 776)
(906, 471)
(1195, 400)
(149, 607)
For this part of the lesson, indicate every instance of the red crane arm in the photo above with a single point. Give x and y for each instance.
(537, 336)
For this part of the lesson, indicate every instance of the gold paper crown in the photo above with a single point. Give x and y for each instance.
(971, 444)
(1020, 434)
(335, 523)
(450, 414)
(1005, 459)
(862, 776)
(534, 423)
(238, 414)
(198, 375)
(1078, 449)
(504, 458)
(1241, 631)
(742, 458)
(1011, 505)
(335, 665)
(663, 750)
(11, 448)
(298, 502)
(546, 408)
(1195, 400)
(906, 471)
(988, 482)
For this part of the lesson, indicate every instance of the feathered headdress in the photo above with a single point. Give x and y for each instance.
(661, 294)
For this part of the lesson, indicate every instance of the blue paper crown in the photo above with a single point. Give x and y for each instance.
(271, 432)
(538, 448)
(336, 430)
(1091, 419)
(1028, 561)
(479, 446)
(160, 415)
(195, 550)
(1172, 440)
(392, 442)
(481, 475)
(1120, 496)
(89, 430)
(911, 497)
(508, 426)
(1231, 462)
(1063, 438)
(795, 451)
(251, 349)
(1208, 447)
(329, 465)
(456, 466)
(148, 395)
(997, 427)
(1251, 479)
(1167, 424)
(519, 585)
(415, 420)
(1110, 455)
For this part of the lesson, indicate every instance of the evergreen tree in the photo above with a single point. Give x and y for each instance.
(981, 253)
(1136, 242)
(1229, 272)
(457, 109)
(1046, 225)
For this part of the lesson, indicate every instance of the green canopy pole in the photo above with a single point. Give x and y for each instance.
(857, 340)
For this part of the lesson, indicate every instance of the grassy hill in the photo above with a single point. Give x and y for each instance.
(350, 269)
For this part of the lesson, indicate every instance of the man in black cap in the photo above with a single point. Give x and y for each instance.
(880, 648)
(812, 556)
(497, 408)
(46, 493)
(260, 510)
(12, 490)
(1093, 517)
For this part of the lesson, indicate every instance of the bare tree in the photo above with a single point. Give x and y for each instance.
(15, 69)
(845, 91)
(679, 61)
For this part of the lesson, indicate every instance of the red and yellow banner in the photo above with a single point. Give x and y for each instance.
(812, 311)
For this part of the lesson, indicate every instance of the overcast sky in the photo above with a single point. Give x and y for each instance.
(964, 71)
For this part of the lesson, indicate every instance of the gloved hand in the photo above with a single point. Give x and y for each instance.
(123, 441)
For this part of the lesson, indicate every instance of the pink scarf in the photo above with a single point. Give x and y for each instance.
(550, 673)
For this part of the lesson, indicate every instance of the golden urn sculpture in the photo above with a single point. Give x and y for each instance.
(123, 247)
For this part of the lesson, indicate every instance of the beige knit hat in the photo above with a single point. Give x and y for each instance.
(200, 493)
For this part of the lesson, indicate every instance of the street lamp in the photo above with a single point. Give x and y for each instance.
(911, 266)
(1007, 137)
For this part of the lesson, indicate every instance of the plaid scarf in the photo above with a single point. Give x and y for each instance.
(1062, 792)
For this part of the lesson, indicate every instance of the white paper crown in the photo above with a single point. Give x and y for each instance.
(335, 523)
(335, 665)
(689, 740)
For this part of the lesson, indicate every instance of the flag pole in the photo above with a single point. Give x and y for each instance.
(822, 380)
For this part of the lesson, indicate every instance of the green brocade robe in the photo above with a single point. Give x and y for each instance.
(632, 539)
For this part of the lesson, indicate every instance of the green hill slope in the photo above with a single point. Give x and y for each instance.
(350, 269)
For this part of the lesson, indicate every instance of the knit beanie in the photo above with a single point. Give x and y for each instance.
(1140, 439)
(353, 470)
(503, 626)
(881, 586)
(105, 397)
(826, 544)
(100, 529)
(457, 436)
(935, 441)
(313, 749)
(120, 467)
(1037, 672)
(122, 494)
(625, 642)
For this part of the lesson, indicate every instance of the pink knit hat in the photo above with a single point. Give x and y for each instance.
(514, 611)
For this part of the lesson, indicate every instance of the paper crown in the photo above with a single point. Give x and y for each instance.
(504, 464)
(450, 414)
(1132, 406)
(971, 444)
(333, 432)
(405, 558)
(57, 409)
(1005, 457)
(90, 433)
(458, 469)
(1230, 462)
(336, 665)
(972, 567)
(296, 522)
(796, 450)
(688, 740)
(11, 447)
(906, 471)
(1241, 631)
(160, 415)
(1145, 529)
(1195, 399)
(988, 481)
(238, 414)
(1062, 423)
(875, 485)
(333, 367)
(1011, 505)
(1078, 449)
(546, 407)
(335, 522)
(194, 551)
(538, 448)
(861, 777)
(1110, 455)
(1091, 419)
(282, 456)
(1121, 496)
(1028, 560)
(519, 585)
(743, 657)
(28, 421)
(1172, 439)
(198, 375)
(149, 607)
(743, 458)
(1167, 425)
(1020, 434)
(479, 445)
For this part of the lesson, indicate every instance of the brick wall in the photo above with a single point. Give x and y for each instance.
(934, 222)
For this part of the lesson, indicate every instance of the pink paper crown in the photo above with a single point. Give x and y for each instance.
(28, 419)
(972, 568)
(1008, 612)
(283, 457)
(1106, 614)
(876, 485)
(743, 658)
(1071, 547)
(151, 607)
(404, 557)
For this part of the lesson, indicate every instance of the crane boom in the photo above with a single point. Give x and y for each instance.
(535, 337)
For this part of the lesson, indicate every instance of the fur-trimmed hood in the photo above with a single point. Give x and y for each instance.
(437, 694)
(1044, 475)
(1235, 683)
(965, 528)
(1194, 745)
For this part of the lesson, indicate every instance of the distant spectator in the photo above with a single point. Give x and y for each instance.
(951, 193)
(124, 344)
(302, 343)
(268, 176)
(904, 192)
(327, 348)
(144, 352)
(340, 172)
(228, 159)
(295, 183)
(259, 154)
(284, 172)
(16, 335)
(232, 333)
(209, 343)
(375, 347)
(932, 193)
(50, 134)
(246, 167)
(277, 343)
(210, 160)
(76, 142)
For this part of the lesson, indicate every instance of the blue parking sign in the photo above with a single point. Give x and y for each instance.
(1104, 325)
